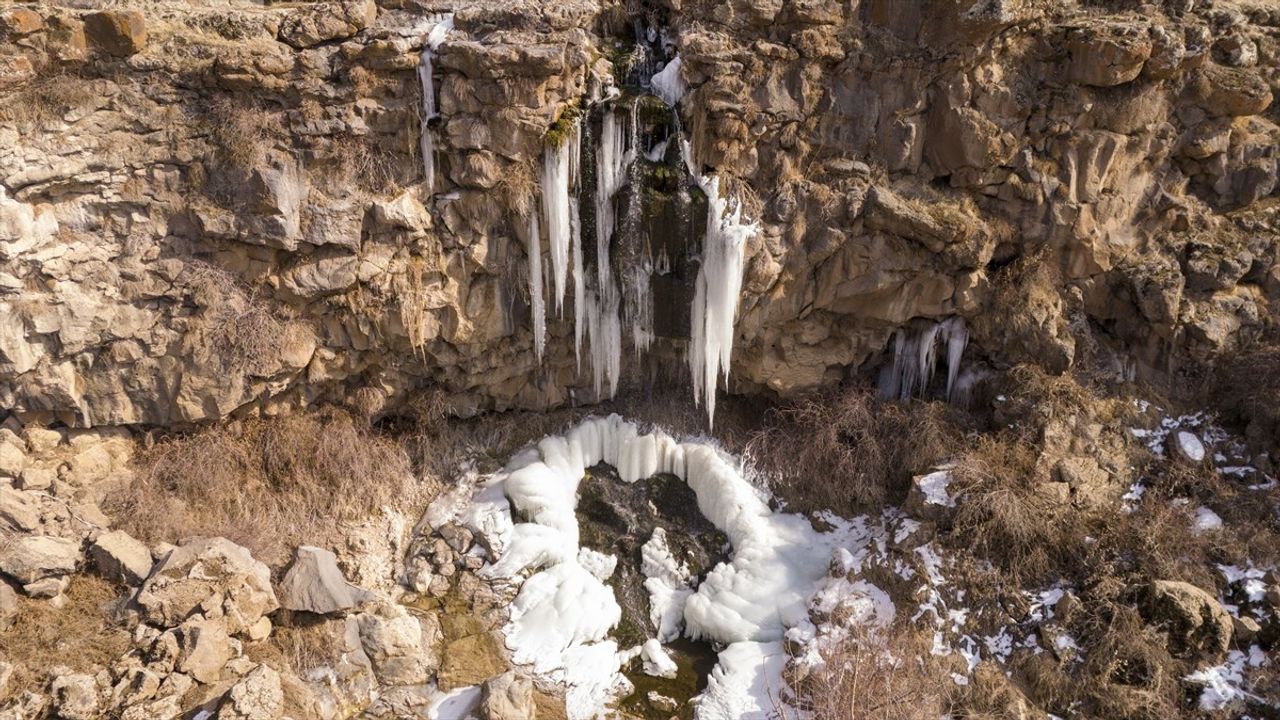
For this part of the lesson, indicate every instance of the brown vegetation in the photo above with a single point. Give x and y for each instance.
(85, 634)
(848, 451)
(46, 98)
(266, 484)
(889, 676)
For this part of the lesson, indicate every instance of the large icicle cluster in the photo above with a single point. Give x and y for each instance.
(439, 31)
(915, 358)
(618, 297)
(562, 614)
(715, 300)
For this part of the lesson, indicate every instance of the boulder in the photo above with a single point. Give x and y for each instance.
(121, 558)
(322, 22)
(8, 606)
(12, 460)
(19, 22)
(75, 696)
(18, 509)
(203, 649)
(117, 32)
(507, 697)
(1186, 447)
(257, 696)
(1230, 92)
(214, 576)
(929, 497)
(1108, 55)
(315, 584)
(47, 588)
(34, 557)
(397, 645)
(1197, 623)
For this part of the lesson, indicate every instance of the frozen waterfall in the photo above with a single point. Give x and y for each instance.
(715, 300)
(915, 358)
(426, 76)
(557, 176)
(667, 83)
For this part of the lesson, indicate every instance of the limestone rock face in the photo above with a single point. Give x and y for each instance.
(246, 227)
(315, 584)
(213, 576)
(398, 645)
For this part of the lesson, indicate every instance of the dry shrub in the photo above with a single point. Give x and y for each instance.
(1128, 672)
(46, 98)
(1003, 516)
(85, 635)
(239, 132)
(308, 643)
(847, 450)
(266, 484)
(890, 676)
(237, 326)
(373, 167)
(1249, 390)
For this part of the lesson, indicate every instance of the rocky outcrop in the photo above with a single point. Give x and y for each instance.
(213, 577)
(245, 227)
(1197, 623)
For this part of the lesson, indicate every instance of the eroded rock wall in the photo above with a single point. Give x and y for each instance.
(221, 209)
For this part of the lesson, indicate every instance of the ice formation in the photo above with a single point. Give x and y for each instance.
(556, 207)
(915, 358)
(716, 291)
(563, 612)
(668, 85)
(426, 76)
(537, 302)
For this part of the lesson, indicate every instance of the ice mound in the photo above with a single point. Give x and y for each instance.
(564, 610)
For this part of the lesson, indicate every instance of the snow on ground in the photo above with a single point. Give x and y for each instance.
(1224, 684)
(564, 610)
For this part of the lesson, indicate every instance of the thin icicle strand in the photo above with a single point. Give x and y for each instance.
(537, 304)
(426, 76)
(915, 359)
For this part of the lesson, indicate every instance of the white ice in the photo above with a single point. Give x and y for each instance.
(667, 83)
(564, 611)
(537, 303)
(426, 78)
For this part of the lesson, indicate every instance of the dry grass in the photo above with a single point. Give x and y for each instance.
(372, 167)
(848, 451)
(266, 484)
(1003, 516)
(85, 635)
(310, 643)
(240, 133)
(878, 677)
(238, 327)
(46, 98)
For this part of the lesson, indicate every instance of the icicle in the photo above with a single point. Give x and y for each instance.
(556, 178)
(715, 301)
(579, 281)
(915, 359)
(668, 84)
(537, 305)
(426, 77)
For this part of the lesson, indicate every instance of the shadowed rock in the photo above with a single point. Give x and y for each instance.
(315, 584)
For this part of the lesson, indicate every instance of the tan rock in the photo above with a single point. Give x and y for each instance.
(1233, 92)
(34, 557)
(257, 696)
(470, 660)
(208, 573)
(118, 32)
(507, 697)
(204, 648)
(322, 22)
(17, 22)
(121, 558)
(1108, 55)
(1197, 623)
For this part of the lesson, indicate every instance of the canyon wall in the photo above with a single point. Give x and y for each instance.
(222, 209)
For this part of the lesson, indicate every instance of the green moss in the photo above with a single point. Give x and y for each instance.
(562, 129)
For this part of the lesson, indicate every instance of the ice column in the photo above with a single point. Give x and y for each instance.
(915, 358)
(557, 171)
(715, 300)
(426, 76)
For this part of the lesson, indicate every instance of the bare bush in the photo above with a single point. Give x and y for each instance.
(238, 327)
(847, 450)
(877, 676)
(266, 484)
(1003, 514)
(239, 132)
